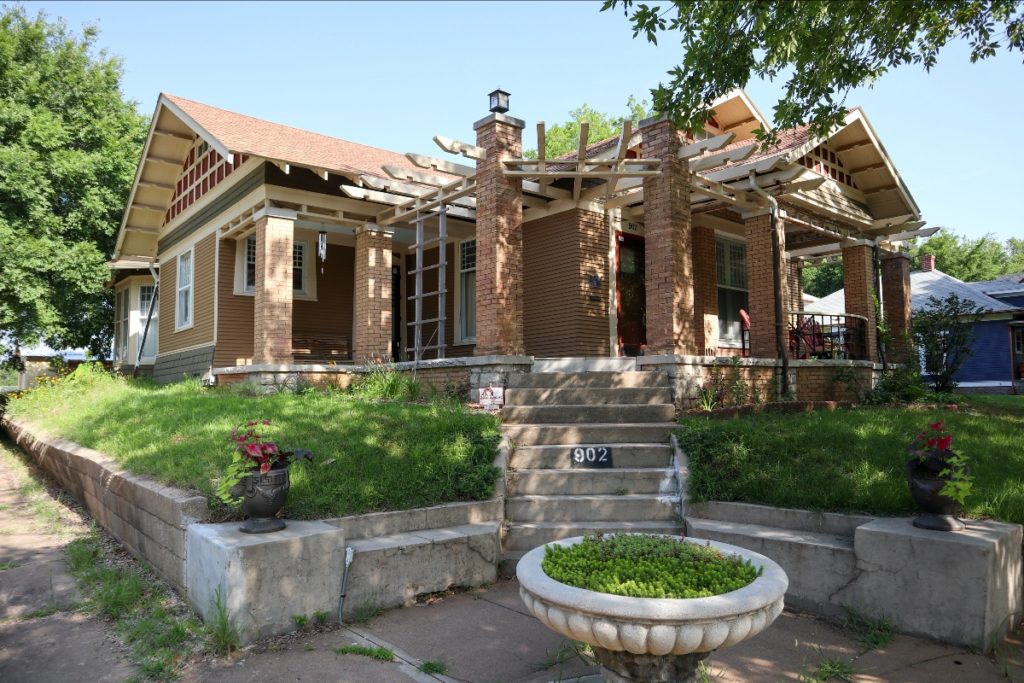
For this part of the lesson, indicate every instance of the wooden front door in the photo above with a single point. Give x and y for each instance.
(632, 306)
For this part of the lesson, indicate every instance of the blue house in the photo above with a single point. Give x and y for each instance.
(996, 364)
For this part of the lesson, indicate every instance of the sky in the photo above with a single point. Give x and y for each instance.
(394, 75)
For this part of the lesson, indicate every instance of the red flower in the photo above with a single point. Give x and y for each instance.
(265, 467)
(944, 442)
(937, 426)
(252, 450)
(931, 443)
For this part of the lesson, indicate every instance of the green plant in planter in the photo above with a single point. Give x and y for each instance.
(645, 566)
(934, 446)
(254, 453)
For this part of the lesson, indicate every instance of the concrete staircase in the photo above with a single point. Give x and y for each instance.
(547, 416)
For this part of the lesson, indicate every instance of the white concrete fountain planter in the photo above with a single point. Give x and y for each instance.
(653, 639)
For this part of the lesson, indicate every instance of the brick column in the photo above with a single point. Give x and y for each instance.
(499, 239)
(705, 291)
(272, 308)
(896, 300)
(761, 284)
(794, 285)
(668, 246)
(372, 334)
(858, 281)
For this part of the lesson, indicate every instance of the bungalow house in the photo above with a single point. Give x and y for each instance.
(250, 249)
(996, 364)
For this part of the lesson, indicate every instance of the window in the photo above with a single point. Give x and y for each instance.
(300, 270)
(731, 275)
(183, 317)
(145, 299)
(121, 325)
(467, 290)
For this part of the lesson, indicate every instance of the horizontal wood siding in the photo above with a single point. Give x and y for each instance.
(331, 314)
(234, 314)
(201, 331)
(560, 253)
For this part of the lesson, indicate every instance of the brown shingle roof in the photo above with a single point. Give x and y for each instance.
(256, 137)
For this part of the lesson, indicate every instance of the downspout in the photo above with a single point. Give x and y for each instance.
(780, 334)
(149, 319)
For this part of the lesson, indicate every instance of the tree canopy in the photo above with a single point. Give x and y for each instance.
(822, 48)
(563, 138)
(971, 260)
(69, 146)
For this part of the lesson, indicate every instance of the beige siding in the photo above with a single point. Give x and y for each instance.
(234, 314)
(331, 314)
(559, 316)
(201, 331)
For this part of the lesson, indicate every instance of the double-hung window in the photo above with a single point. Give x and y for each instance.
(300, 268)
(184, 301)
(145, 300)
(121, 309)
(731, 275)
(467, 291)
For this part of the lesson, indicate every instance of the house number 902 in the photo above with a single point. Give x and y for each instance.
(591, 456)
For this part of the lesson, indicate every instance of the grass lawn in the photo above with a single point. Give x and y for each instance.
(369, 455)
(854, 460)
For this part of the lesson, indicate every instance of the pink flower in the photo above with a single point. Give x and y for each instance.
(252, 450)
(265, 467)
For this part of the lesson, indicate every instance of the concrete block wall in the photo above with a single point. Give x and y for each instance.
(149, 518)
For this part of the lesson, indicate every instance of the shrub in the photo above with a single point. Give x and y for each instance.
(384, 383)
(944, 333)
(899, 385)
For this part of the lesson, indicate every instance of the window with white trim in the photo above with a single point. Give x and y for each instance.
(731, 277)
(145, 300)
(184, 301)
(121, 310)
(467, 290)
(300, 269)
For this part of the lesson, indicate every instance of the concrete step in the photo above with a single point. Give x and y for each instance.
(588, 414)
(818, 564)
(782, 518)
(507, 566)
(584, 365)
(588, 397)
(585, 380)
(617, 481)
(528, 536)
(593, 508)
(560, 457)
(547, 434)
(390, 571)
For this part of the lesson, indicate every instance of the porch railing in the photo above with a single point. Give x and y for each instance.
(827, 336)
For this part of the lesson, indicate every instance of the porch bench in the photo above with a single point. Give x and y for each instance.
(322, 348)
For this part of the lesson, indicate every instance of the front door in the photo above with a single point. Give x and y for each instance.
(396, 313)
(632, 306)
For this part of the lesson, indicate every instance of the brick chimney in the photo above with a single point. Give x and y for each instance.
(927, 262)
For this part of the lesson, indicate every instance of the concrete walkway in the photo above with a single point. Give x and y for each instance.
(486, 635)
(41, 638)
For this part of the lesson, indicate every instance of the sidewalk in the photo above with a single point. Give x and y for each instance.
(487, 635)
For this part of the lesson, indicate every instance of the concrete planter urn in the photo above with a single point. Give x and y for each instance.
(263, 496)
(653, 639)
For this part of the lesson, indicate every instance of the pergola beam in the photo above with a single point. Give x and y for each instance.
(465, 149)
(400, 173)
(707, 145)
(715, 160)
(581, 157)
(440, 165)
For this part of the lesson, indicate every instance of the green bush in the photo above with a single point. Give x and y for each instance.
(384, 383)
(899, 385)
(644, 566)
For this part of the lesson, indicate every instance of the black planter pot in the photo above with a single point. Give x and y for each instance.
(926, 482)
(263, 496)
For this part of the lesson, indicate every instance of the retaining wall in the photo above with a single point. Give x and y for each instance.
(149, 518)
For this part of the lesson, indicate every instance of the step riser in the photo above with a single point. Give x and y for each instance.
(585, 380)
(584, 365)
(586, 510)
(560, 458)
(587, 414)
(588, 397)
(533, 435)
(590, 482)
(527, 538)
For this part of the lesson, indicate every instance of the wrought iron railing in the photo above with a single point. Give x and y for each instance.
(827, 336)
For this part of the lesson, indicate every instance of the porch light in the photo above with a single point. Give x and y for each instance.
(499, 101)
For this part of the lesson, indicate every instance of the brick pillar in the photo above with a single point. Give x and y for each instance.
(372, 334)
(761, 284)
(705, 290)
(896, 302)
(668, 246)
(794, 284)
(858, 281)
(499, 239)
(272, 308)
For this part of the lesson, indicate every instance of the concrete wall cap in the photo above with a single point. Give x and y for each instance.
(499, 118)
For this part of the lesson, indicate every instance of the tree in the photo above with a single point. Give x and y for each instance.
(944, 331)
(69, 145)
(823, 48)
(822, 280)
(563, 138)
(970, 260)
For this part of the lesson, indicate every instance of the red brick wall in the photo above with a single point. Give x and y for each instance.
(858, 280)
(499, 241)
(761, 287)
(896, 299)
(832, 383)
(705, 291)
(668, 245)
(372, 333)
